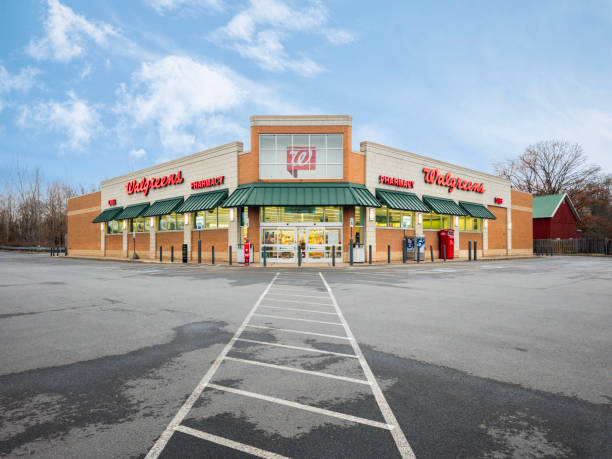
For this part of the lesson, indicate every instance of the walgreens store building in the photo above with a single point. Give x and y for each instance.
(300, 191)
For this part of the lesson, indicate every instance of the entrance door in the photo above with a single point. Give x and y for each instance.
(315, 243)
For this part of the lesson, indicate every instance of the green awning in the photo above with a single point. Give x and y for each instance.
(107, 215)
(301, 194)
(476, 210)
(444, 206)
(132, 211)
(400, 200)
(163, 207)
(203, 201)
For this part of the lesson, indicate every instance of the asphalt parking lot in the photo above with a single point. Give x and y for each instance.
(482, 359)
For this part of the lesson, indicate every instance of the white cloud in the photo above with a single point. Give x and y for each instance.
(339, 36)
(259, 32)
(137, 154)
(22, 81)
(164, 6)
(65, 33)
(175, 94)
(85, 72)
(74, 118)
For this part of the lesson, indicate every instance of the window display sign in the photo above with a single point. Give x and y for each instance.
(436, 177)
(301, 156)
(406, 221)
(301, 159)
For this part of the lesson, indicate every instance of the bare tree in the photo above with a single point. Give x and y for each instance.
(549, 167)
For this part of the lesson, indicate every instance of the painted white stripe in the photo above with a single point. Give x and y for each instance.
(161, 442)
(295, 289)
(400, 439)
(287, 294)
(298, 301)
(299, 370)
(295, 318)
(298, 331)
(297, 309)
(229, 443)
(312, 409)
(299, 348)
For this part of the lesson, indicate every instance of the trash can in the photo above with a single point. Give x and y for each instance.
(184, 253)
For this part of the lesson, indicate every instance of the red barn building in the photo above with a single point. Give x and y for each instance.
(554, 217)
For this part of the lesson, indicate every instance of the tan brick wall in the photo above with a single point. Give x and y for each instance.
(522, 223)
(218, 238)
(432, 237)
(498, 229)
(143, 248)
(392, 237)
(113, 245)
(84, 236)
(167, 239)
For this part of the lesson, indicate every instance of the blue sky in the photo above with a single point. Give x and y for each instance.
(92, 90)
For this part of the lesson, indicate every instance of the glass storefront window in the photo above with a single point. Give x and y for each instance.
(427, 221)
(244, 219)
(446, 222)
(461, 223)
(381, 216)
(140, 225)
(395, 218)
(473, 224)
(300, 156)
(172, 222)
(435, 221)
(114, 227)
(300, 214)
(214, 218)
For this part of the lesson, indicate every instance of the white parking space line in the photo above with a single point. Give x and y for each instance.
(229, 443)
(294, 289)
(299, 348)
(161, 442)
(290, 330)
(297, 309)
(299, 370)
(398, 436)
(296, 301)
(290, 295)
(312, 409)
(295, 318)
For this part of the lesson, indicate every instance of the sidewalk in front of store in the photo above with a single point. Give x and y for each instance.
(315, 265)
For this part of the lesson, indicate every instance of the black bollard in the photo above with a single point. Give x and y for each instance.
(230, 255)
(404, 250)
(370, 254)
(351, 251)
(431, 252)
(265, 257)
(333, 255)
(212, 254)
(160, 253)
(418, 251)
(299, 255)
(475, 250)
(444, 252)
(199, 251)
(469, 250)
(171, 254)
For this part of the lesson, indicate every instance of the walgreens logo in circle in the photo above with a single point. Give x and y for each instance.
(301, 159)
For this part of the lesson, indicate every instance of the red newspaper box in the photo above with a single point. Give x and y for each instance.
(247, 253)
(447, 239)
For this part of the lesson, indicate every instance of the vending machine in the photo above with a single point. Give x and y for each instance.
(447, 240)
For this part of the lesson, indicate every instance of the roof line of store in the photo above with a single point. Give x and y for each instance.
(427, 158)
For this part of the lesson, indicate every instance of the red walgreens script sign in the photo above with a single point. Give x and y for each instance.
(435, 176)
(301, 159)
(144, 185)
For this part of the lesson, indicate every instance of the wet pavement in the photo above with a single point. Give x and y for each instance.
(483, 359)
